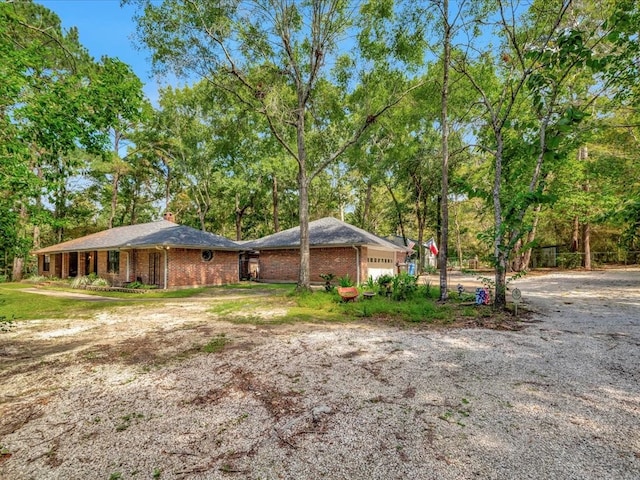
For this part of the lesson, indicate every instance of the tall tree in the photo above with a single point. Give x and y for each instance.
(541, 54)
(277, 57)
(444, 121)
(57, 100)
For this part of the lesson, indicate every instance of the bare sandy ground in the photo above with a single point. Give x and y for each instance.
(132, 393)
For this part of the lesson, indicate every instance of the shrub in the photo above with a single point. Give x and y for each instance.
(385, 283)
(6, 323)
(570, 260)
(430, 269)
(345, 281)
(80, 282)
(328, 278)
(35, 279)
(100, 282)
(404, 286)
(370, 285)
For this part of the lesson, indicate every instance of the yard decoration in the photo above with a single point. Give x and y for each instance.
(348, 294)
(483, 296)
(516, 295)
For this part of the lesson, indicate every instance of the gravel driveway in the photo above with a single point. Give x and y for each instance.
(128, 395)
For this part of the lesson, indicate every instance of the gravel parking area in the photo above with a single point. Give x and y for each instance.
(131, 394)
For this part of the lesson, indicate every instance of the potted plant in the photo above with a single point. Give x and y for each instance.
(369, 288)
(385, 282)
(328, 278)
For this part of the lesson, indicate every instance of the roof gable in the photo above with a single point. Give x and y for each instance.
(327, 231)
(144, 235)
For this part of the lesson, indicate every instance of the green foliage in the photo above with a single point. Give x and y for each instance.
(89, 280)
(570, 260)
(430, 270)
(19, 305)
(328, 278)
(127, 420)
(36, 279)
(419, 309)
(345, 281)
(6, 323)
(385, 284)
(57, 109)
(428, 291)
(216, 344)
(404, 286)
(370, 284)
(136, 285)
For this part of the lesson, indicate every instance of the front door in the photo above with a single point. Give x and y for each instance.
(73, 264)
(90, 262)
(154, 269)
(57, 272)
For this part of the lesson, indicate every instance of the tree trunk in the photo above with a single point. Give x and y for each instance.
(526, 259)
(276, 212)
(116, 177)
(304, 276)
(500, 295)
(420, 265)
(575, 238)
(518, 254)
(398, 210)
(167, 189)
(444, 239)
(586, 228)
(438, 224)
(586, 242)
(18, 259)
(366, 224)
(458, 237)
(240, 212)
(114, 197)
(18, 268)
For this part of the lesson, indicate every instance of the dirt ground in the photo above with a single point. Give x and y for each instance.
(175, 391)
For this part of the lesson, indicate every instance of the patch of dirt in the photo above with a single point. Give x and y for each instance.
(134, 391)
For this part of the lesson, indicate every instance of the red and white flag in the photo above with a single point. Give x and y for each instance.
(431, 245)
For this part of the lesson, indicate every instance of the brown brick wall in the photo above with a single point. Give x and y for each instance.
(187, 268)
(284, 265)
(116, 279)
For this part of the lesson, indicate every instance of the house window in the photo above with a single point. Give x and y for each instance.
(207, 255)
(46, 263)
(113, 261)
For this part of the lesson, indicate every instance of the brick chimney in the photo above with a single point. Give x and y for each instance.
(169, 217)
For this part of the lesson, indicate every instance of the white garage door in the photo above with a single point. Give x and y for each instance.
(380, 262)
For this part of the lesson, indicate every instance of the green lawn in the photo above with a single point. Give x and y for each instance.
(281, 304)
(18, 305)
(320, 306)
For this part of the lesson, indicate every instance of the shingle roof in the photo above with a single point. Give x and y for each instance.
(144, 235)
(328, 231)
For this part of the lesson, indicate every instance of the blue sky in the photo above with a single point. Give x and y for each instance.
(105, 28)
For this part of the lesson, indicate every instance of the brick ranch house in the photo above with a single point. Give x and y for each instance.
(335, 247)
(159, 253)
